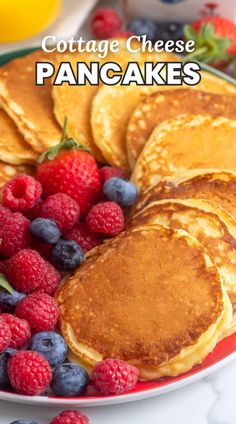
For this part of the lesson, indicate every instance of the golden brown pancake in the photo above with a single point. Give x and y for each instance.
(213, 84)
(210, 224)
(121, 302)
(7, 172)
(159, 106)
(74, 102)
(218, 186)
(111, 110)
(188, 142)
(13, 147)
(30, 106)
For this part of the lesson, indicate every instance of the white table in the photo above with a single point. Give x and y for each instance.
(210, 401)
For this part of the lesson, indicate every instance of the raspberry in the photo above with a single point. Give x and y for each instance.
(107, 172)
(29, 372)
(106, 218)
(34, 212)
(3, 265)
(105, 23)
(81, 234)
(5, 335)
(70, 417)
(25, 270)
(20, 330)
(14, 234)
(62, 209)
(21, 193)
(40, 310)
(3, 212)
(49, 280)
(113, 376)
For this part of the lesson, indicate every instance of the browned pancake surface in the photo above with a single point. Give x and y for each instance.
(30, 106)
(217, 186)
(163, 105)
(126, 302)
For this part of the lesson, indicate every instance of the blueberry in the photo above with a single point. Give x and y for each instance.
(67, 255)
(4, 356)
(69, 380)
(143, 26)
(51, 345)
(170, 31)
(171, 1)
(45, 230)
(10, 300)
(23, 422)
(121, 191)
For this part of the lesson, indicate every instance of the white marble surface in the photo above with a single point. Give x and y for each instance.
(209, 401)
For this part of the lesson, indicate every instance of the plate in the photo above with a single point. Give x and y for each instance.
(224, 352)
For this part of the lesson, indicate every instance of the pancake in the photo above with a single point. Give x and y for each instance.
(30, 106)
(159, 106)
(218, 186)
(111, 110)
(165, 271)
(188, 142)
(74, 102)
(211, 225)
(13, 148)
(213, 84)
(7, 172)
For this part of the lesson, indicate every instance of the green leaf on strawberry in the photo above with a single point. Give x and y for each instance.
(65, 144)
(4, 284)
(215, 40)
(208, 47)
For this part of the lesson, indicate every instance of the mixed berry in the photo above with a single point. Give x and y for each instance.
(107, 23)
(47, 224)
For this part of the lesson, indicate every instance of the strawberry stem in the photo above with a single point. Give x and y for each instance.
(209, 47)
(65, 144)
(63, 133)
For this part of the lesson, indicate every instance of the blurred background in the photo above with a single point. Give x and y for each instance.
(24, 23)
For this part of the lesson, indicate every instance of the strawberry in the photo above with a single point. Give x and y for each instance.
(215, 40)
(69, 168)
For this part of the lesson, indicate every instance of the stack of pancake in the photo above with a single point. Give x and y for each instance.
(163, 293)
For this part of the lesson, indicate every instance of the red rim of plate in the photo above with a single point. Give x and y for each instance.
(223, 350)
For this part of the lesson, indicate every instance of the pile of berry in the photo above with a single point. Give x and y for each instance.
(107, 23)
(47, 224)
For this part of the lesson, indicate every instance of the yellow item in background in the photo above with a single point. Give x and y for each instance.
(20, 19)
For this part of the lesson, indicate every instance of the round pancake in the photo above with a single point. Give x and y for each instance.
(188, 142)
(74, 102)
(159, 106)
(111, 110)
(7, 172)
(121, 302)
(30, 106)
(13, 148)
(218, 186)
(211, 225)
